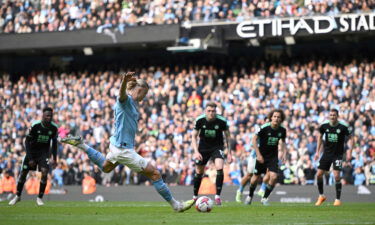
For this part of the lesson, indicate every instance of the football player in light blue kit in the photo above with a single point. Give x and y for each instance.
(122, 141)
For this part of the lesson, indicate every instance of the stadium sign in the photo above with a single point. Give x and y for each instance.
(308, 26)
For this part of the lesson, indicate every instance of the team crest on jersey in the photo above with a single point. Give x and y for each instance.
(216, 127)
(38, 131)
(204, 126)
(327, 130)
(338, 131)
(279, 134)
(269, 134)
(50, 132)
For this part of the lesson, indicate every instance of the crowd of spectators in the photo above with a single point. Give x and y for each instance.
(26, 16)
(84, 101)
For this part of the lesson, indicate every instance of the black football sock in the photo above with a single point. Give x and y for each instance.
(268, 191)
(252, 189)
(320, 185)
(219, 181)
(338, 189)
(197, 183)
(42, 188)
(20, 184)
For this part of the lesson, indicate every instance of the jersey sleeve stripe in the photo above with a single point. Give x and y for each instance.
(221, 118)
(200, 117)
(54, 124)
(343, 123)
(36, 122)
(324, 122)
(265, 125)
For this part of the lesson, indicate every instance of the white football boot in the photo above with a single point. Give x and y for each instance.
(15, 200)
(39, 201)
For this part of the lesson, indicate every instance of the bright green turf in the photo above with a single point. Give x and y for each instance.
(112, 213)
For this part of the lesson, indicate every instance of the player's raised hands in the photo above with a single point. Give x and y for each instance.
(128, 81)
(128, 76)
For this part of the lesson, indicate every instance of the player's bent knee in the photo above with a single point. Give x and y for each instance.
(320, 174)
(151, 172)
(156, 175)
(23, 174)
(107, 169)
(43, 179)
(273, 177)
(153, 175)
(44, 176)
(200, 169)
(44, 171)
(108, 166)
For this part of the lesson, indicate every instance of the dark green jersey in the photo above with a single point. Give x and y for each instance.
(334, 137)
(268, 139)
(211, 132)
(38, 140)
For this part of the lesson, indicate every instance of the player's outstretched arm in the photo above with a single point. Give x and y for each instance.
(126, 78)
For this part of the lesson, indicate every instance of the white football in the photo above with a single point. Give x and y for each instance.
(204, 204)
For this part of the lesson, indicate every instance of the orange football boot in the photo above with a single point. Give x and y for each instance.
(337, 202)
(320, 200)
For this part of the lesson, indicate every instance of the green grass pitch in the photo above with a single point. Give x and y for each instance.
(113, 213)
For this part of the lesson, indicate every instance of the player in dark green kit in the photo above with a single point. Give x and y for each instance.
(37, 144)
(210, 128)
(266, 143)
(335, 134)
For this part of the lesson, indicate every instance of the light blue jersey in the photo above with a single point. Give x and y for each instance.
(253, 154)
(126, 123)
